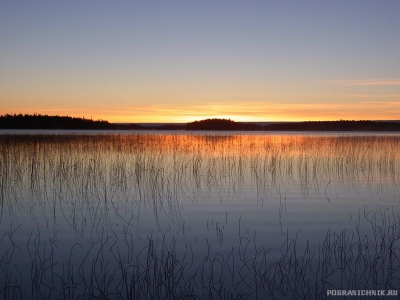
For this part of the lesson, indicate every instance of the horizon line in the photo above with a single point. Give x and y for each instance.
(202, 119)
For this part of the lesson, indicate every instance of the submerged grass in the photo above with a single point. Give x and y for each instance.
(345, 260)
(103, 216)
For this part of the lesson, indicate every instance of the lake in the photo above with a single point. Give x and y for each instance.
(198, 215)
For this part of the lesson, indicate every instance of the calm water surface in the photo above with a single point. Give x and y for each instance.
(200, 215)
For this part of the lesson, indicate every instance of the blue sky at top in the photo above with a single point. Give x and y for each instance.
(183, 60)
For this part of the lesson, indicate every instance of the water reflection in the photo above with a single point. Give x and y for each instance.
(129, 216)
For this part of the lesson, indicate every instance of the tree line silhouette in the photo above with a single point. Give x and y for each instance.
(38, 121)
(342, 125)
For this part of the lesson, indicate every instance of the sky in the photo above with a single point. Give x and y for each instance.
(184, 60)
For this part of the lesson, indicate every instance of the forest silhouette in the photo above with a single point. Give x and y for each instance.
(38, 121)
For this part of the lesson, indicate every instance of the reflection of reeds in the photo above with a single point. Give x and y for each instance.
(147, 166)
(347, 260)
(100, 186)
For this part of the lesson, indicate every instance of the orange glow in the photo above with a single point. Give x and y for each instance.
(241, 112)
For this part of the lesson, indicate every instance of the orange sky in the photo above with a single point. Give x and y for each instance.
(182, 61)
(251, 112)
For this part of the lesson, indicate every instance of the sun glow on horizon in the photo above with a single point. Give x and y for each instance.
(349, 106)
(260, 112)
(239, 112)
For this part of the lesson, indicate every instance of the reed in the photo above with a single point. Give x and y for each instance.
(109, 216)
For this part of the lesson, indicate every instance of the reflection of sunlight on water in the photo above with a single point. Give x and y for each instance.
(117, 202)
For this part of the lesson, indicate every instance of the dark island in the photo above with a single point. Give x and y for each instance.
(38, 121)
(222, 124)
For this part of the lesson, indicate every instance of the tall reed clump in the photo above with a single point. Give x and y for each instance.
(106, 216)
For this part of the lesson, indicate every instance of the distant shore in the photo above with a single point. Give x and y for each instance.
(38, 121)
